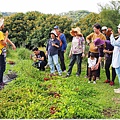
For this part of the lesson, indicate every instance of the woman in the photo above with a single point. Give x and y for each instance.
(76, 51)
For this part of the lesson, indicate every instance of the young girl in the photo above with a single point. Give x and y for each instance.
(92, 68)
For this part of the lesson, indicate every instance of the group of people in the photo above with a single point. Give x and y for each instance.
(102, 45)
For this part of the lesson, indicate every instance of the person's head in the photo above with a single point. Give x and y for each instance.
(99, 43)
(97, 28)
(118, 29)
(92, 55)
(108, 32)
(56, 27)
(58, 31)
(76, 32)
(53, 34)
(35, 50)
(1, 23)
(104, 29)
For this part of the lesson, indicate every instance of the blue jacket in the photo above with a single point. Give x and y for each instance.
(52, 50)
(64, 42)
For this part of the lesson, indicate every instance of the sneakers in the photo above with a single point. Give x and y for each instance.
(107, 81)
(86, 76)
(112, 83)
(97, 78)
(94, 82)
(89, 81)
(67, 76)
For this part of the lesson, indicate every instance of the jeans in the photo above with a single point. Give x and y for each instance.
(40, 65)
(2, 67)
(78, 59)
(62, 63)
(54, 60)
(107, 69)
(118, 73)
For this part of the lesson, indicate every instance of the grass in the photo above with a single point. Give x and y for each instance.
(29, 96)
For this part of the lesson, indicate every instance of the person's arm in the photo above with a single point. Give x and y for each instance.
(11, 43)
(114, 42)
(83, 47)
(89, 38)
(64, 41)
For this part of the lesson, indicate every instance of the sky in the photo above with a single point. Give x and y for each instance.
(50, 6)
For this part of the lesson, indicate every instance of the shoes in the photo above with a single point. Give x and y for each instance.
(117, 90)
(107, 81)
(64, 71)
(112, 83)
(94, 82)
(67, 76)
(2, 84)
(52, 74)
(97, 78)
(86, 76)
(77, 75)
(60, 74)
(89, 81)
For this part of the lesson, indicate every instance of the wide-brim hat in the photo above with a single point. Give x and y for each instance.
(77, 29)
(99, 42)
(53, 32)
(118, 26)
(1, 21)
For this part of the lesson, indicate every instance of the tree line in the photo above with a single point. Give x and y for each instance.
(33, 28)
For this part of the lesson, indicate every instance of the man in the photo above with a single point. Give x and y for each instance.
(3, 43)
(39, 59)
(92, 48)
(63, 45)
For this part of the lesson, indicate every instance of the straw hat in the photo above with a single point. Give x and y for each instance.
(1, 21)
(77, 29)
(118, 26)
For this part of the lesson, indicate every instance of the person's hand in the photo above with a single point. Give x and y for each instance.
(83, 54)
(14, 47)
(64, 51)
(70, 55)
(53, 44)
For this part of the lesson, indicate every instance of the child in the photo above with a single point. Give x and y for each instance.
(52, 52)
(92, 68)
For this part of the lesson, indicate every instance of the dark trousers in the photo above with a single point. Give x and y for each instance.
(62, 63)
(2, 67)
(91, 74)
(40, 65)
(78, 59)
(107, 69)
(98, 70)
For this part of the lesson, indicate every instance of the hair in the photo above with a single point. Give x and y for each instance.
(35, 49)
(97, 25)
(108, 32)
(92, 54)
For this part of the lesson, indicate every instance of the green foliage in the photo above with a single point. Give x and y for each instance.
(23, 53)
(75, 15)
(30, 97)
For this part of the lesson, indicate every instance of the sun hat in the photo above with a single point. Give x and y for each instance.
(104, 28)
(56, 27)
(99, 42)
(118, 26)
(1, 21)
(77, 29)
(53, 32)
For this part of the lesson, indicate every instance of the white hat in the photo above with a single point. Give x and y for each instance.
(104, 28)
(53, 32)
(1, 21)
(118, 26)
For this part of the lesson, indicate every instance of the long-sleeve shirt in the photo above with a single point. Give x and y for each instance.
(52, 50)
(78, 45)
(91, 62)
(64, 42)
(91, 39)
(116, 51)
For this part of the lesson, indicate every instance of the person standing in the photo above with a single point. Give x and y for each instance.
(63, 45)
(52, 53)
(92, 48)
(106, 48)
(116, 56)
(3, 43)
(76, 51)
